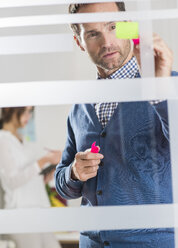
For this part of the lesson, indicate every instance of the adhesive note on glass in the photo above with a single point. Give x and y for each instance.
(127, 30)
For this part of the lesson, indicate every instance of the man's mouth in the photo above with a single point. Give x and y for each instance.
(109, 55)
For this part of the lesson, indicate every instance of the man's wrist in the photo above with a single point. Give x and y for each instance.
(72, 175)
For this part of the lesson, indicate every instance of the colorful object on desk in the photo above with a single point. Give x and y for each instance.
(127, 30)
(94, 148)
(55, 199)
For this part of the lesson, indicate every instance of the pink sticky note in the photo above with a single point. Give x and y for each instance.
(94, 148)
(136, 41)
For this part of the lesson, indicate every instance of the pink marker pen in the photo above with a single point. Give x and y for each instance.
(136, 41)
(94, 148)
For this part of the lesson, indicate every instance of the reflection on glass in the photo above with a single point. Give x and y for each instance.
(132, 166)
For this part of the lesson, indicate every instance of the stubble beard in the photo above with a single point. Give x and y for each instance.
(113, 63)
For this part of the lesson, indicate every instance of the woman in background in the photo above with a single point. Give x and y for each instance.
(19, 174)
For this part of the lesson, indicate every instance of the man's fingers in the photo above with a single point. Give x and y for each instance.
(90, 170)
(163, 53)
(88, 163)
(87, 155)
(85, 177)
(85, 169)
(86, 166)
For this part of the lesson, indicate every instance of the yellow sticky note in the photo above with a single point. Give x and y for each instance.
(127, 30)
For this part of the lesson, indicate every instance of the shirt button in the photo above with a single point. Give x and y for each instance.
(103, 134)
(106, 243)
(99, 192)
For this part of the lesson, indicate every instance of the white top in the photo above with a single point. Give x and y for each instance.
(19, 174)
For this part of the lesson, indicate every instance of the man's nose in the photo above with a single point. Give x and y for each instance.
(106, 40)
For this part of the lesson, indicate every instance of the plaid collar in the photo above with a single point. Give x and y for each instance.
(129, 70)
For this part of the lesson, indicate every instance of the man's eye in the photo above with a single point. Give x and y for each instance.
(93, 35)
(113, 27)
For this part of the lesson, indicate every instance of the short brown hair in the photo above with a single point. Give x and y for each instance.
(7, 114)
(74, 8)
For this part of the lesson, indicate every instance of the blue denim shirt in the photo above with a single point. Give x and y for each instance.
(135, 170)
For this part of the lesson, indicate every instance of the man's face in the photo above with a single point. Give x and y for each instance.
(99, 39)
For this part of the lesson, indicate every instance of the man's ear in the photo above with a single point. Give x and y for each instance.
(78, 43)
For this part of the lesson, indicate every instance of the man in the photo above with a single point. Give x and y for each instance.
(133, 166)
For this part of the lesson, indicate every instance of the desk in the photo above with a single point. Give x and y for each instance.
(68, 239)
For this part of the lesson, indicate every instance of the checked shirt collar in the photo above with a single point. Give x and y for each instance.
(104, 111)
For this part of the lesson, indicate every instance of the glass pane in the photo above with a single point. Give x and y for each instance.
(132, 170)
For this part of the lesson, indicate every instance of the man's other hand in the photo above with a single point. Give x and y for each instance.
(162, 54)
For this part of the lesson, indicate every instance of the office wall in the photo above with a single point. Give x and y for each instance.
(50, 124)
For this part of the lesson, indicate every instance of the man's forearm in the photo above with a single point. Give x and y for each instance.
(65, 185)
